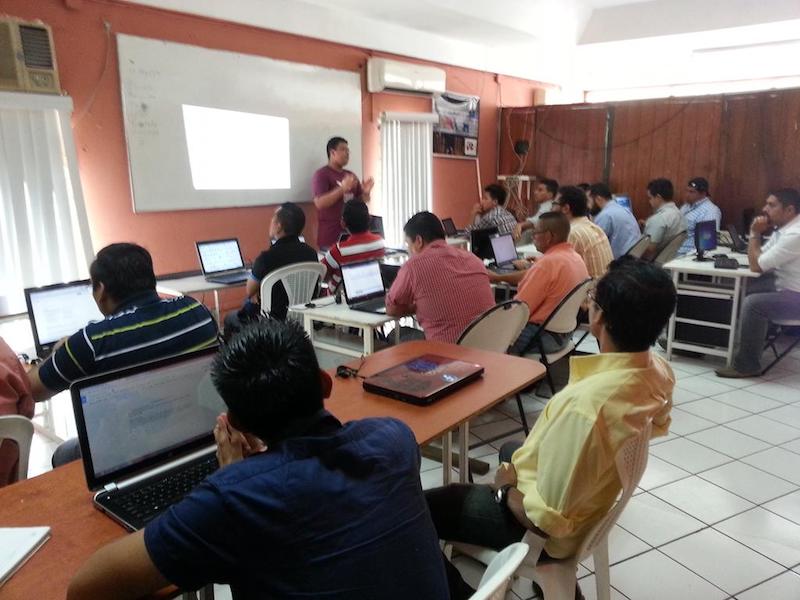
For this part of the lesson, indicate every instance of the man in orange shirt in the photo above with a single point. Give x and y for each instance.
(551, 277)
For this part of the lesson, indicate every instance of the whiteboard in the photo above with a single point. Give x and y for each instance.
(158, 78)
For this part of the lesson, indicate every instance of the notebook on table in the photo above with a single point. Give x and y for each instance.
(363, 286)
(17, 545)
(221, 261)
(146, 434)
(424, 379)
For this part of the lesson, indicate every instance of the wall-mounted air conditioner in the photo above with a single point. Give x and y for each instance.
(391, 75)
(27, 57)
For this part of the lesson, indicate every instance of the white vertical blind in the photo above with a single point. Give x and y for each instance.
(406, 169)
(44, 232)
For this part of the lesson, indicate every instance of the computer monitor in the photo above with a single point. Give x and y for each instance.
(624, 201)
(217, 256)
(376, 225)
(57, 311)
(480, 242)
(705, 238)
(503, 248)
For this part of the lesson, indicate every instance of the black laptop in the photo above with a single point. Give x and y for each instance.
(363, 286)
(146, 434)
(221, 261)
(480, 242)
(737, 243)
(450, 228)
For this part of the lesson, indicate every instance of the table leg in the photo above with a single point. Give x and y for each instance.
(308, 326)
(737, 294)
(216, 309)
(463, 452)
(671, 326)
(369, 340)
(447, 458)
(397, 332)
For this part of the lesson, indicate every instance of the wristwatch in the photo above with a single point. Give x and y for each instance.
(501, 494)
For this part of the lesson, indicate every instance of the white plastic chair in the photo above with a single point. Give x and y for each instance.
(300, 281)
(495, 580)
(670, 251)
(563, 320)
(20, 430)
(557, 578)
(638, 247)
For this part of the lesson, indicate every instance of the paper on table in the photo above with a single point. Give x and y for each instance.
(17, 545)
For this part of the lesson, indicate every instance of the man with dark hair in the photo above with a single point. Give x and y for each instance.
(666, 221)
(332, 186)
(361, 244)
(776, 294)
(139, 327)
(697, 208)
(563, 479)
(318, 510)
(544, 194)
(444, 286)
(285, 228)
(491, 211)
(588, 240)
(618, 222)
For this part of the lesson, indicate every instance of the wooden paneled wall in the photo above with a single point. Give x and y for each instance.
(744, 144)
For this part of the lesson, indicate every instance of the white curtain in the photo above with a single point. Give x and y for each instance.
(406, 166)
(44, 232)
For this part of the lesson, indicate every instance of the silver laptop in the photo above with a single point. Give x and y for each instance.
(221, 261)
(146, 434)
(57, 311)
(363, 286)
(505, 253)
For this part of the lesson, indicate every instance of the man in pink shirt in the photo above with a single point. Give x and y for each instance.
(445, 287)
(15, 399)
(332, 186)
(545, 284)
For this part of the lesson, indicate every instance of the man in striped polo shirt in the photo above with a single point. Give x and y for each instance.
(139, 327)
(361, 245)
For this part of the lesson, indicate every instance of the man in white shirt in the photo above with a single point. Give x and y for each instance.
(776, 294)
(544, 195)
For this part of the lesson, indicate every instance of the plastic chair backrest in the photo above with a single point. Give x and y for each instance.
(670, 251)
(638, 247)
(300, 281)
(497, 328)
(564, 318)
(20, 430)
(631, 462)
(494, 583)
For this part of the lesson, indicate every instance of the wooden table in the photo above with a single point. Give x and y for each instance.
(61, 500)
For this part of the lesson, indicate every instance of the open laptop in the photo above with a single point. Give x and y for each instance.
(221, 261)
(376, 225)
(363, 286)
(505, 253)
(424, 379)
(737, 243)
(146, 434)
(450, 228)
(57, 311)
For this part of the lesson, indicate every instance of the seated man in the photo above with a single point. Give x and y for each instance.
(15, 399)
(444, 286)
(588, 240)
(326, 511)
(776, 294)
(139, 327)
(618, 222)
(491, 211)
(361, 245)
(697, 208)
(563, 479)
(666, 221)
(544, 194)
(285, 228)
(545, 284)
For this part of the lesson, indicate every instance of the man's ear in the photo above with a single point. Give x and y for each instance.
(327, 384)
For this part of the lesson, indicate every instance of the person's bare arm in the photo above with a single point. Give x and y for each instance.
(512, 278)
(329, 198)
(757, 229)
(400, 310)
(366, 189)
(38, 389)
(121, 570)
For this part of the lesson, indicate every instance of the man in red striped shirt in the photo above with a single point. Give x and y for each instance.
(360, 245)
(444, 286)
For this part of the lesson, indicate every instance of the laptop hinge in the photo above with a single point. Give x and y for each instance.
(111, 487)
(163, 468)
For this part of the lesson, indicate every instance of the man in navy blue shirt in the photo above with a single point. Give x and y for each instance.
(318, 510)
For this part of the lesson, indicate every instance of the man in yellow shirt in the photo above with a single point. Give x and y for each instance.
(563, 478)
(589, 240)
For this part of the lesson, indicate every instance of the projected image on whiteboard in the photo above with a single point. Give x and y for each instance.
(233, 150)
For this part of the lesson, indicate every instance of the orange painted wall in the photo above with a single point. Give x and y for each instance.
(87, 60)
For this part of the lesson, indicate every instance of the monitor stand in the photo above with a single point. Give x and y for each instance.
(701, 258)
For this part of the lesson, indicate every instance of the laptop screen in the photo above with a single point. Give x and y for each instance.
(504, 249)
(149, 411)
(449, 227)
(58, 311)
(220, 255)
(362, 280)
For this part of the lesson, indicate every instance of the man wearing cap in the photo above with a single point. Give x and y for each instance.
(697, 208)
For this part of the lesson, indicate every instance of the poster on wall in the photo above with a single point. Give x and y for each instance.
(456, 134)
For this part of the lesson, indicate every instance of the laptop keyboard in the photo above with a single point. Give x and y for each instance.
(141, 504)
(232, 278)
(377, 305)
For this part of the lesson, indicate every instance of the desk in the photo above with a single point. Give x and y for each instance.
(726, 286)
(195, 284)
(327, 311)
(60, 498)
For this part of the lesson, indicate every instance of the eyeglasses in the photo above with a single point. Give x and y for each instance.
(592, 295)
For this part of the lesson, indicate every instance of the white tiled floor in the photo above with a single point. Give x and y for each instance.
(718, 512)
